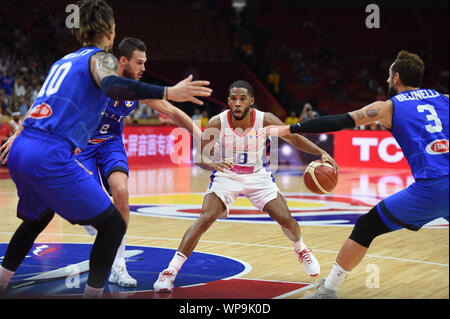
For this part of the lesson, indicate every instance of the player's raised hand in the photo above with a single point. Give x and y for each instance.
(187, 90)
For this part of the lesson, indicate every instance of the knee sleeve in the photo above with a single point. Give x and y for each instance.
(113, 224)
(367, 227)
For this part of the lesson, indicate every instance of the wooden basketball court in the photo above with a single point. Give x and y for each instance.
(399, 265)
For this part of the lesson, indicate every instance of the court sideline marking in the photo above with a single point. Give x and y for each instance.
(247, 244)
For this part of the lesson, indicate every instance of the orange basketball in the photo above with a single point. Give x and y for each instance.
(319, 177)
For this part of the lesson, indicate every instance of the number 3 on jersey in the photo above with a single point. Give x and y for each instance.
(431, 117)
(54, 79)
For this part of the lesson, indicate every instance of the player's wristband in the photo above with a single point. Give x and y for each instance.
(120, 88)
(330, 123)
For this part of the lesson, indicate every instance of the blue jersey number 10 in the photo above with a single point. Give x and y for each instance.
(54, 79)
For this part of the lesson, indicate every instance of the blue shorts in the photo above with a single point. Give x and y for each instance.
(104, 158)
(420, 203)
(47, 176)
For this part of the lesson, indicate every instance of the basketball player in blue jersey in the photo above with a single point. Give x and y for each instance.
(105, 155)
(418, 120)
(63, 118)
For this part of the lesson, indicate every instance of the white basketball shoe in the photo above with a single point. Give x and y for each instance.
(121, 277)
(309, 262)
(165, 281)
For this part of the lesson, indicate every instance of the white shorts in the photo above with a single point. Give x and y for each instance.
(259, 188)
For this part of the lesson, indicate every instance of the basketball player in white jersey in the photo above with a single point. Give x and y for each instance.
(231, 136)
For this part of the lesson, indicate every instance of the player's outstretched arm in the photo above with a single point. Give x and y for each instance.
(175, 114)
(104, 66)
(298, 141)
(378, 111)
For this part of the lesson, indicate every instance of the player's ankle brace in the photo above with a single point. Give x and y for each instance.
(367, 227)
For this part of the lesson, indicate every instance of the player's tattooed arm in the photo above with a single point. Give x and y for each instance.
(380, 111)
(103, 64)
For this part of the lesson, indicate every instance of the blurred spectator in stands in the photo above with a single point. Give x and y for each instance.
(204, 119)
(292, 118)
(23, 106)
(197, 115)
(307, 77)
(380, 94)
(4, 107)
(143, 112)
(32, 92)
(5, 130)
(164, 120)
(4, 62)
(307, 113)
(19, 88)
(15, 122)
(273, 79)
(8, 85)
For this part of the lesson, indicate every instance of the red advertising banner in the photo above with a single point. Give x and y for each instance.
(377, 149)
(166, 145)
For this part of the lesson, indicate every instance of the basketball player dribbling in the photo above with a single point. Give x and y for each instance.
(63, 117)
(240, 170)
(418, 120)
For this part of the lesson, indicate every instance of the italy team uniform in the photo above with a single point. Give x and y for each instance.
(420, 127)
(41, 161)
(105, 152)
(249, 176)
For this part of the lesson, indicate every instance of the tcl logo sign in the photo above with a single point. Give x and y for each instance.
(365, 143)
(370, 149)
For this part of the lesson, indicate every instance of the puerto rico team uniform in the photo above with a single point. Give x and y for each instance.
(420, 127)
(249, 176)
(105, 153)
(64, 116)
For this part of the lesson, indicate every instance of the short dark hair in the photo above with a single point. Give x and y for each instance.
(96, 18)
(242, 85)
(128, 45)
(410, 68)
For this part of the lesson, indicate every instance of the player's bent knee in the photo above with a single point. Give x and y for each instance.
(368, 227)
(113, 224)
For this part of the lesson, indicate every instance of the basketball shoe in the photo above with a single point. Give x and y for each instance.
(165, 281)
(120, 276)
(309, 262)
(322, 292)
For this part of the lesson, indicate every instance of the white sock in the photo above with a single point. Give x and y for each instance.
(336, 277)
(119, 261)
(5, 276)
(92, 293)
(177, 261)
(299, 245)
